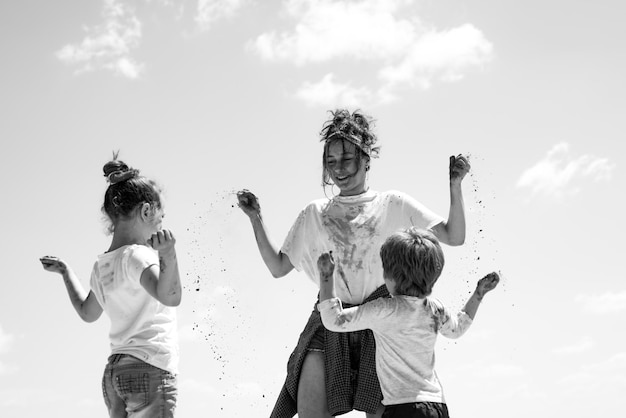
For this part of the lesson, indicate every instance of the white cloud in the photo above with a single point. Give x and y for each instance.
(608, 373)
(406, 51)
(108, 45)
(581, 346)
(328, 92)
(209, 11)
(439, 55)
(6, 341)
(610, 365)
(557, 174)
(606, 303)
(327, 29)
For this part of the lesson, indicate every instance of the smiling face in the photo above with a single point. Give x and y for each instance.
(346, 165)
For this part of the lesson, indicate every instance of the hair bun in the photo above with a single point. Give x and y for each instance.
(117, 171)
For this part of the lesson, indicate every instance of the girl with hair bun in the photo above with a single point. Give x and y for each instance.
(137, 283)
(332, 373)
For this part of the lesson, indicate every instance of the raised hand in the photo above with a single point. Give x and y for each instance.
(326, 264)
(53, 264)
(487, 283)
(162, 241)
(248, 203)
(459, 167)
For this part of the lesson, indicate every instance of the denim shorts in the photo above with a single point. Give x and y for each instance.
(133, 388)
(416, 410)
(318, 342)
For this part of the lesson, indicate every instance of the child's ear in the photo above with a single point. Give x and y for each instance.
(146, 211)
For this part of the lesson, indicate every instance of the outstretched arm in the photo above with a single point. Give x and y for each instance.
(277, 262)
(452, 231)
(485, 285)
(455, 327)
(163, 282)
(85, 304)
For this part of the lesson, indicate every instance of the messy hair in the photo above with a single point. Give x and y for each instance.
(413, 259)
(354, 127)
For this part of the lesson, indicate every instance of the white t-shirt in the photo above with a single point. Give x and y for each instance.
(353, 228)
(140, 325)
(405, 329)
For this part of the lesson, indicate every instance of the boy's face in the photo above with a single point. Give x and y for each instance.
(391, 284)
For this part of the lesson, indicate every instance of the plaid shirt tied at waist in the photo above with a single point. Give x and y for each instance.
(345, 389)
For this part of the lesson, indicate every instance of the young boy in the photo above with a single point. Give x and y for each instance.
(405, 326)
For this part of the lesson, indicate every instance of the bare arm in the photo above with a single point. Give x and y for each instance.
(485, 285)
(85, 304)
(452, 231)
(326, 266)
(163, 282)
(277, 262)
(334, 316)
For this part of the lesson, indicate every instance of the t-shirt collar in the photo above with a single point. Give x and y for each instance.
(366, 196)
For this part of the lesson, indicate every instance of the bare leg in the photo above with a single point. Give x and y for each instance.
(312, 388)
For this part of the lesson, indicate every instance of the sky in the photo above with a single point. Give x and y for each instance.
(208, 97)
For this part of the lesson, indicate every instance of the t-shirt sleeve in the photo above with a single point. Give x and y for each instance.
(295, 243)
(418, 214)
(140, 258)
(337, 319)
(451, 326)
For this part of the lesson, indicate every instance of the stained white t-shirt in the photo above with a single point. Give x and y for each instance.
(405, 329)
(353, 228)
(140, 325)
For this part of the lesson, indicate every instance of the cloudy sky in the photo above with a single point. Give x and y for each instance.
(211, 96)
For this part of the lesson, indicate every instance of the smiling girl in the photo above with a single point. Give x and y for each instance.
(334, 373)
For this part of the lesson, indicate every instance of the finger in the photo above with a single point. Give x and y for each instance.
(465, 160)
(461, 164)
(48, 261)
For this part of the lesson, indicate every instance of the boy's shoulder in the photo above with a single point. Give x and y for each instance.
(389, 306)
(380, 305)
(435, 307)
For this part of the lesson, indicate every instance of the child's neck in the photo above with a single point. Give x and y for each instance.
(126, 234)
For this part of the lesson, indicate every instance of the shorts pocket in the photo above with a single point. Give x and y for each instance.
(134, 388)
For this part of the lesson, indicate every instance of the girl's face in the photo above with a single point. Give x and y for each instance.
(157, 219)
(152, 219)
(343, 168)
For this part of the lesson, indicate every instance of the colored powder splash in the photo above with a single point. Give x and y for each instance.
(216, 286)
(479, 254)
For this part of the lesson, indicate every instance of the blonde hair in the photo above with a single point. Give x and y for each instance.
(413, 259)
